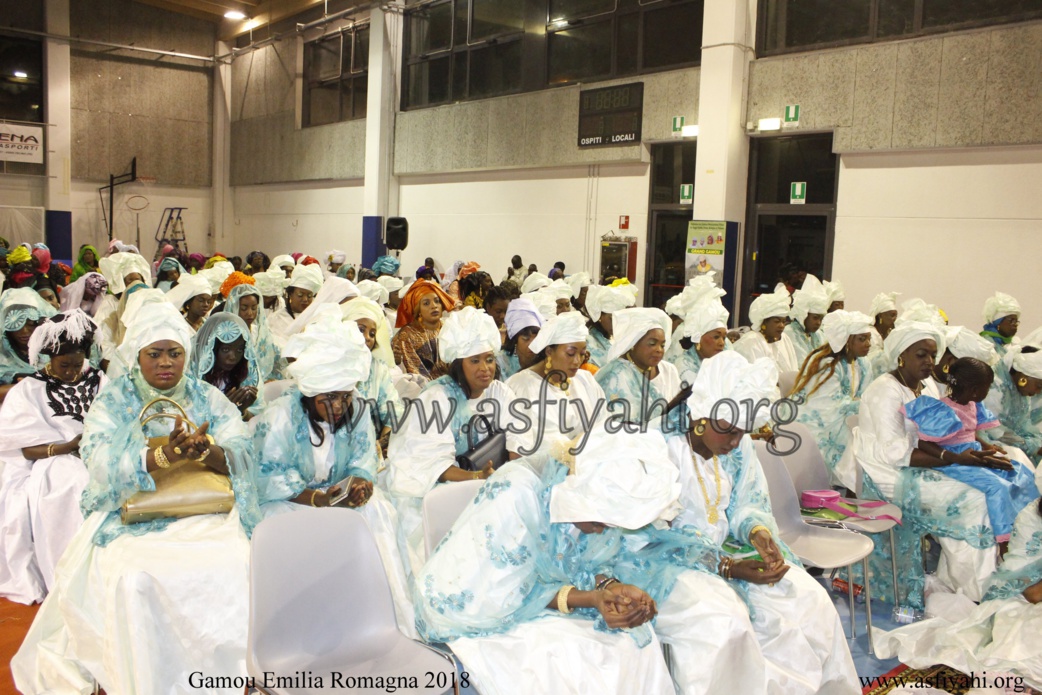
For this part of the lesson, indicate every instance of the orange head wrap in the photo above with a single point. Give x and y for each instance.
(234, 280)
(409, 305)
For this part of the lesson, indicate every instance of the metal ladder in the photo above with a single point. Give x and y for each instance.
(171, 230)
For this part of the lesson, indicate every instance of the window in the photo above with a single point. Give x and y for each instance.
(336, 80)
(21, 79)
(794, 25)
(472, 49)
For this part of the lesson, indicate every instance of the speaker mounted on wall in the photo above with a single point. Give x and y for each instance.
(396, 233)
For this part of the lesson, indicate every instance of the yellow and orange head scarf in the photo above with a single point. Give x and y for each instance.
(409, 306)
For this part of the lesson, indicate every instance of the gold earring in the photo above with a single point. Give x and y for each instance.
(700, 428)
(548, 366)
(944, 369)
(763, 327)
(1022, 381)
(900, 362)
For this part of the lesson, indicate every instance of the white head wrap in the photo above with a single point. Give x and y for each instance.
(161, 322)
(308, 277)
(533, 282)
(390, 283)
(270, 283)
(737, 386)
(465, 333)
(608, 300)
(283, 260)
(569, 327)
(119, 265)
(337, 256)
(884, 301)
(330, 355)
(628, 326)
(558, 289)
(835, 291)
(918, 311)
(577, 281)
(188, 286)
(623, 480)
(216, 275)
(49, 335)
(140, 299)
(838, 326)
(363, 308)
(703, 319)
(962, 342)
(908, 333)
(1029, 364)
(333, 291)
(374, 291)
(809, 299)
(1000, 306)
(521, 314)
(545, 304)
(768, 306)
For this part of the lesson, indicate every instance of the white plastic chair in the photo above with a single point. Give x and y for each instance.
(807, 470)
(274, 389)
(827, 548)
(320, 602)
(786, 380)
(442, 506)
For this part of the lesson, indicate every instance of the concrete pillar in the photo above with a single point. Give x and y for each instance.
(223, 219)
(380, 197)
(722, 162)
(58, 110)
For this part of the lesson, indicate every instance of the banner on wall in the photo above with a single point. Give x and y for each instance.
(706, 244)
(21, 143)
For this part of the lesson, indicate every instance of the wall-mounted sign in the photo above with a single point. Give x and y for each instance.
(798, 193)
(21, 143)
(687, 193)
(792, 116)
(678, 126)
(624, 221)
(611, 116)
(706, 246)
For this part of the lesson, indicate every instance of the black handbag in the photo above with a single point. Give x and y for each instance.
(492, 448)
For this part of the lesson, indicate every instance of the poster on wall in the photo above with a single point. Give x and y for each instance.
(21, 143)
(706, 243)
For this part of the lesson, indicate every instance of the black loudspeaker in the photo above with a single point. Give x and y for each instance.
(396, 234)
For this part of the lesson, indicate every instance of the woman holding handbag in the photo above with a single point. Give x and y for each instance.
(178, 585)
(452, 417)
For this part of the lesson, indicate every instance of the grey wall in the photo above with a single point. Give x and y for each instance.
(266, 146)
(973, 88)
(127, 104)
(538, 129)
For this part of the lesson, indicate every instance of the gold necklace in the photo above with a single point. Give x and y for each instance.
(915, 392)
(711, 510)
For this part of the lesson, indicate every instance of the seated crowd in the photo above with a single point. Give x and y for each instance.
(622, 504)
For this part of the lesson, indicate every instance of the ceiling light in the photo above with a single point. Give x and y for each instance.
(22, 75)
(769, 124)
(234, 14)
(689, 131)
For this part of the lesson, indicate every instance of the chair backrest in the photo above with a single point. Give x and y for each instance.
(317, 586)
(805, 463)
(442, 506)
(784, 503)
(786, 380)
(274, 389)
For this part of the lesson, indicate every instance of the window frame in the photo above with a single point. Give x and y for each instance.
(344, 79)
(918, 30)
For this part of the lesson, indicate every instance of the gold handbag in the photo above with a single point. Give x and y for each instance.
(186, 488)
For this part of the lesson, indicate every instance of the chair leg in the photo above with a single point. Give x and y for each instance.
(893, 566)
(850, 599)
(868, 603)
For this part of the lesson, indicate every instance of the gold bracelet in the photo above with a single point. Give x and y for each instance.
(476, 475)
(50, 450)
(313, 494)
(562, 599)
(758, 527)
(161, 460)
